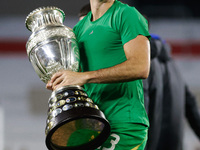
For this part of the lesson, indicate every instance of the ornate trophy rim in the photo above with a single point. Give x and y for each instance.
(43, 9)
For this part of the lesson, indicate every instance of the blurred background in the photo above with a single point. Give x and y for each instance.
(23, 97)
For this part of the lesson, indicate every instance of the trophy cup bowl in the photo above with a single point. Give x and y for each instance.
(74, 122)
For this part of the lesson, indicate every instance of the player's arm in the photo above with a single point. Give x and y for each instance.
(135, 67)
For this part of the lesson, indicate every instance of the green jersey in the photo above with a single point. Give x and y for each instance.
(101, 46)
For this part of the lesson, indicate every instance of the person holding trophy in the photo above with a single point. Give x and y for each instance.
(113, 40)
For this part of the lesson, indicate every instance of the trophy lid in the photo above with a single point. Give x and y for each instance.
(44, 16)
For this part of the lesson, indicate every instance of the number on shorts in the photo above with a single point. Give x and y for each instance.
(113, 142)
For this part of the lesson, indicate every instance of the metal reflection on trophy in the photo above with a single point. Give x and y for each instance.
(74, 121)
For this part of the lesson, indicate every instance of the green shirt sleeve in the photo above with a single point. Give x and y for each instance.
(132, 24)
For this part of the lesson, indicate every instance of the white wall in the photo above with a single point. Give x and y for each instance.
(24, 99)
(1, 128)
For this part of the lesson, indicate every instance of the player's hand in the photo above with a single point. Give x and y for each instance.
(64, 78)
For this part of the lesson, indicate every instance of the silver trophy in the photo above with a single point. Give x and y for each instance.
(74, 122)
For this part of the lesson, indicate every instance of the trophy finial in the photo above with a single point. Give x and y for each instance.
(44, 16)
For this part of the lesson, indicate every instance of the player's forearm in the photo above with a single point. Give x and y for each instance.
(126, 71)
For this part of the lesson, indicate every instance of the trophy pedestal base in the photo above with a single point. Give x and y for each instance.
(78, 129)
(77, 124)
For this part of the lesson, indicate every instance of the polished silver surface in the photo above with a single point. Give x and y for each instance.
(52, 46)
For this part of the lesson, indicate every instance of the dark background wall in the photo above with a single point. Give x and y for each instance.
(167, 8)
(152, 8)
(23, 7)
